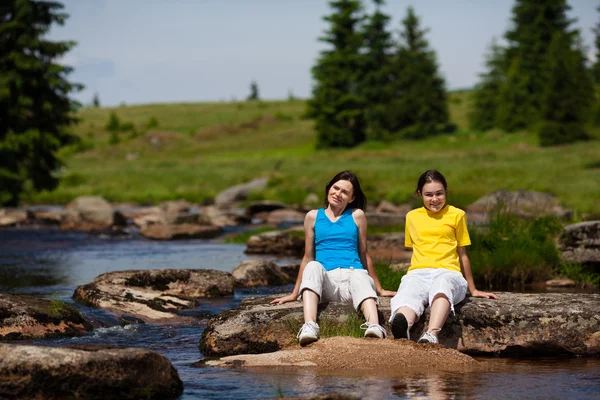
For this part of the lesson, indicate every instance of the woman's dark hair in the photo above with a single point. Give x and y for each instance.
(430, 176)
(360, 200)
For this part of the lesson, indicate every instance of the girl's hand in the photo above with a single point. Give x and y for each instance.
(285, 299)
(385, 293)
(477, 293)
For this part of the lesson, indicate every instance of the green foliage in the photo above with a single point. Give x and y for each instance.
(511, 251)
(596, 66)
(389, 278)
(375, 83)
(96, 101)
(330, 328)
(152, 123)
(582, 274)
(114, 123)
(336, 104)
(35, 108)
(254, 95)
(419, 107)
(485, 96)
(568, 95)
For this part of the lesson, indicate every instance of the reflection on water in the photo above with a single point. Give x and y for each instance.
(54, 263)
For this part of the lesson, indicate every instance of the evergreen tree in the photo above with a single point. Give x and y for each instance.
(485, 96)
(420, 107)
(377, 77)
(35, 110)
(336, 103)
(567, 96)
(596, 66)
(535, 22)
(253, 92)
(96, 101)
(514, 111)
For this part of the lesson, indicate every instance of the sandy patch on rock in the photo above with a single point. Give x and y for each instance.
(346, 353)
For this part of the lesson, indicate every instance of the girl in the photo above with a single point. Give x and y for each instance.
(438, 235)
(335, 258)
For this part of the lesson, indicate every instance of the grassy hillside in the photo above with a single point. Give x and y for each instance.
(200, 149)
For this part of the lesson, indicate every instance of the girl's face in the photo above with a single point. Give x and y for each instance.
(433, 196)
(340, 194)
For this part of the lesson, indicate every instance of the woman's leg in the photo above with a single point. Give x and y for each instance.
(310, 303)
(311, 289)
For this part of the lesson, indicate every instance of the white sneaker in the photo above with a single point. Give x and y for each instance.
(374, 330)
(308, 333)
(428, 337)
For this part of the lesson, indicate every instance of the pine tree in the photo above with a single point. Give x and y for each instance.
(253, 92)
(535, 22)
(96, 101)
(567, 96)
(35, 110)
(336, 103)
(514, 111)
(420, 107)
(596, 66)
(485, 96)
(376, 81)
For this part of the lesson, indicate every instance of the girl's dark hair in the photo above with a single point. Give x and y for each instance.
(360, 200)
(430, 176)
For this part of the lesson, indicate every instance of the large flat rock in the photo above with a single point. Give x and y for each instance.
(517, 324)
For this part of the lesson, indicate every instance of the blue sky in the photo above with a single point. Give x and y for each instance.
(162, 51)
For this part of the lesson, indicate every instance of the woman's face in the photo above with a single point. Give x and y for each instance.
(340, 194)
(433, 196)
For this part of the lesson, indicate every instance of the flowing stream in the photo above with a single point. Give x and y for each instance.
(50, 264)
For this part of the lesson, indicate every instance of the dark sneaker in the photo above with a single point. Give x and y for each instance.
(428, 337)
(400, 328)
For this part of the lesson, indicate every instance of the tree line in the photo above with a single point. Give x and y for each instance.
(369, 85)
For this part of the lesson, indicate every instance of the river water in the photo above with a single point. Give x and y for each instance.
(50, 264)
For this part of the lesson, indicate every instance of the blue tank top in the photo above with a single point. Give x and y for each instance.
(336, 243)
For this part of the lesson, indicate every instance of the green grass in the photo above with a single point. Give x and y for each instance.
(198, 150)
(329, 328)
(388, 278)
(242, 237)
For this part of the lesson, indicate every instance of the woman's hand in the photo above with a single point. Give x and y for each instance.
(477, 293)
(284, 299)
(385, 293)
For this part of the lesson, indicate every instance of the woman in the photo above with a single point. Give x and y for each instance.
(336, 265)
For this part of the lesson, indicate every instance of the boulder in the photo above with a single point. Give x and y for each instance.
(85, 372)
(262, 206)
(253, 273)
(154, 295)
(26, 317)
(47, 217)
(388, 207)
(580, 243)
(240, 192)
(524, 203)
(90, 213)
(285, 243)
(160, 231)
(287, 216)
(13, 216)
(224, 217)
(381, 218)
(546, 324)
(388, 247)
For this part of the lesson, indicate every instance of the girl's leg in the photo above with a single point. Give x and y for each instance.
(409, 303)
(448, 288)
(440, 308)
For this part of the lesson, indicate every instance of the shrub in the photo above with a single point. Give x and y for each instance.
(113, 123)
(511, 252)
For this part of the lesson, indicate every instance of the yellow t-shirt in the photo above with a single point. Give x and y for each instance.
(434, 237)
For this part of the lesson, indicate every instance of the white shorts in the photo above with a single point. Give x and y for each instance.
(418, 288)
(341, 284)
